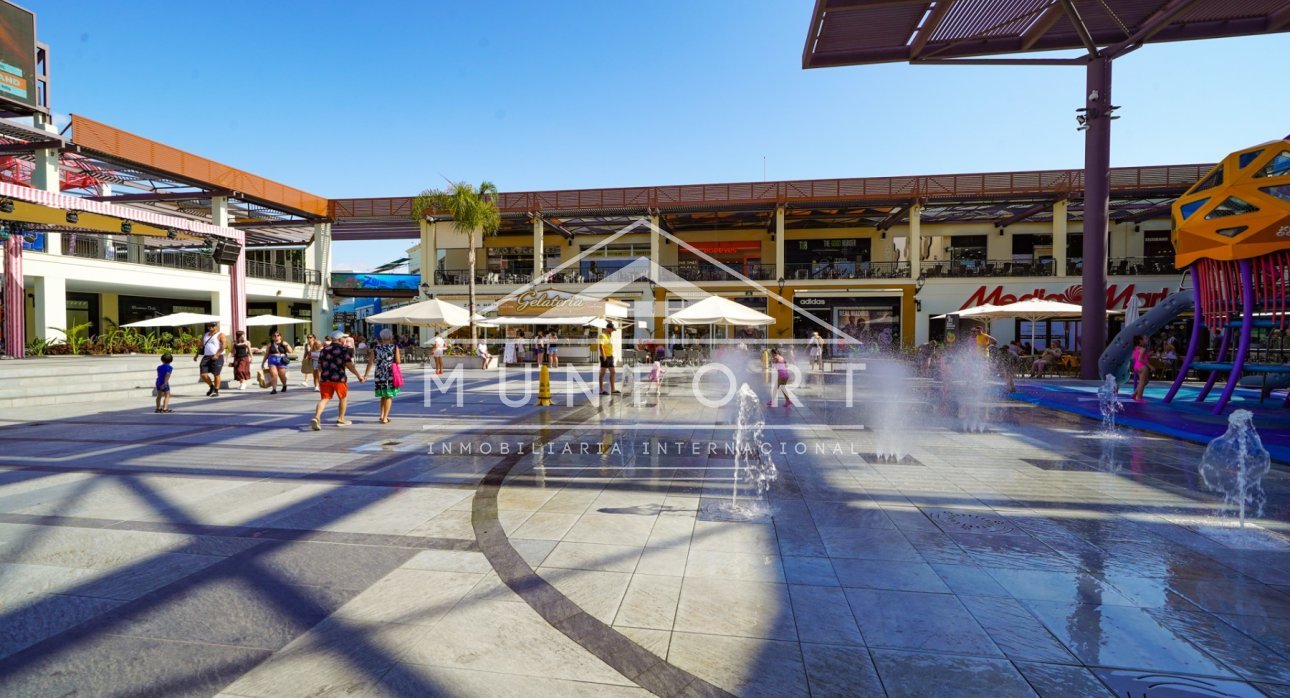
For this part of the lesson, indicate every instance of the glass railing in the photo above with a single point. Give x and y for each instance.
(95, 247)
(850, 270)
(982, 267)
(282, 272)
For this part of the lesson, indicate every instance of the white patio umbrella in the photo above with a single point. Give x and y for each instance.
(269, 320)
(1033, 310)
(429, 313)
(175, 320)
(715, 310)
(968, 312)
(1133, 310)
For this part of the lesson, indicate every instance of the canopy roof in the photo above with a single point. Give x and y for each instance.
(855, 32)
(1003, 198)
(105, 164)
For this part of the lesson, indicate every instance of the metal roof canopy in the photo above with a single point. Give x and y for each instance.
(152, 177)
(857, 32)
(846, 202)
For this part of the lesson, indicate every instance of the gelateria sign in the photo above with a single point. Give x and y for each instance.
(559, 304)
(1117, 296)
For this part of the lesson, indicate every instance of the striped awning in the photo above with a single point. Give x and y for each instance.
(76, 203)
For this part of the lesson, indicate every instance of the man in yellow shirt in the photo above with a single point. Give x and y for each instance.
(607, 358)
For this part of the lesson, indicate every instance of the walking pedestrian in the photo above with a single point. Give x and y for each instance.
(552, 350)
(539, 347)
(241, 359)
(437, 346)
(781, 379)
(310, 355)
(386, 358)
(607, 358)
(333, 361)
(1141, 365)
(162, 388)
(277, 354)
(815, 348)
(210, 352)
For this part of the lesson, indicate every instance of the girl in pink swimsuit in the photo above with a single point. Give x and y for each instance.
(1141, 365)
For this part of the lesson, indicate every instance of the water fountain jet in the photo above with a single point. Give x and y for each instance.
(1234, 465)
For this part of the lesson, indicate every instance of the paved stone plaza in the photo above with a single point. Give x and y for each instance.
(228, 550)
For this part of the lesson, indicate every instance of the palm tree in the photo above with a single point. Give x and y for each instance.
(471, 209)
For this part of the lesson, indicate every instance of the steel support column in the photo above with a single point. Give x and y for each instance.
(539, 248)
(237, 286)
(1097, 201)
(15, 301)
(779, 242)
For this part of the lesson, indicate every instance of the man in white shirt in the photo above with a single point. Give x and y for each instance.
(211, 354)
(484, 355)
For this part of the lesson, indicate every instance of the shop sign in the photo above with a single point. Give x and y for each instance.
(1116, 298)
(810, 302)
(554, 303)
(726, 246)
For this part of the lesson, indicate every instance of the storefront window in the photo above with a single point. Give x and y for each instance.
(964, 248)
(867, 325)
(1156, 243)
(510, 264)
(743, 256)
(610, 258)
(828, 258)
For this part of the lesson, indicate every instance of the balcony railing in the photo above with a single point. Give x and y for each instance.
(856, 270)
(1128, 266)
(977, 267)
(712, 272)
(282, 272)
(1132, 266)
(119, 251)
(483, 277)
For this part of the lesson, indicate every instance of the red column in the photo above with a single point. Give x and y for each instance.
(237, 285)
(15, 300)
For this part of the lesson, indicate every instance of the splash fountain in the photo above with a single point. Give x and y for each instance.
(969, 382)
(892, 418)
(754, 471)
(1234, 465)
(1108, 402)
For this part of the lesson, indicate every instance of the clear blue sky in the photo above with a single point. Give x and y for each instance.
(367, 99)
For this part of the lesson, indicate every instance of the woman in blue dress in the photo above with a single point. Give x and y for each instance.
(383, 356)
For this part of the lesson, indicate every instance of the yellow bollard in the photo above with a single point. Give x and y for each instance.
(544, 386)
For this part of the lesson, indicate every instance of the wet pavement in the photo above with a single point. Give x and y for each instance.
(590, 549)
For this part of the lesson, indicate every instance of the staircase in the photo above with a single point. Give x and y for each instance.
(60, 380)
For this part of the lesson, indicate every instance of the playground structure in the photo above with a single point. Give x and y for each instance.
(1232, 232)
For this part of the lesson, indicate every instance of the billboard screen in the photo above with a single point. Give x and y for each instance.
(17, 55)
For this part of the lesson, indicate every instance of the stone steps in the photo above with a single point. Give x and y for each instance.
(71, 380)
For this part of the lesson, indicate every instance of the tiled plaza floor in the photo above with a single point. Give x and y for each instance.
(228, 550)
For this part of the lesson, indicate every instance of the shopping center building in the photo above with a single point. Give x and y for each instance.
(877, 253)
(113, 228)
(866, 254)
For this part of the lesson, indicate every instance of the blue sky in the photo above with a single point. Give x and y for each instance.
(366, 99)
